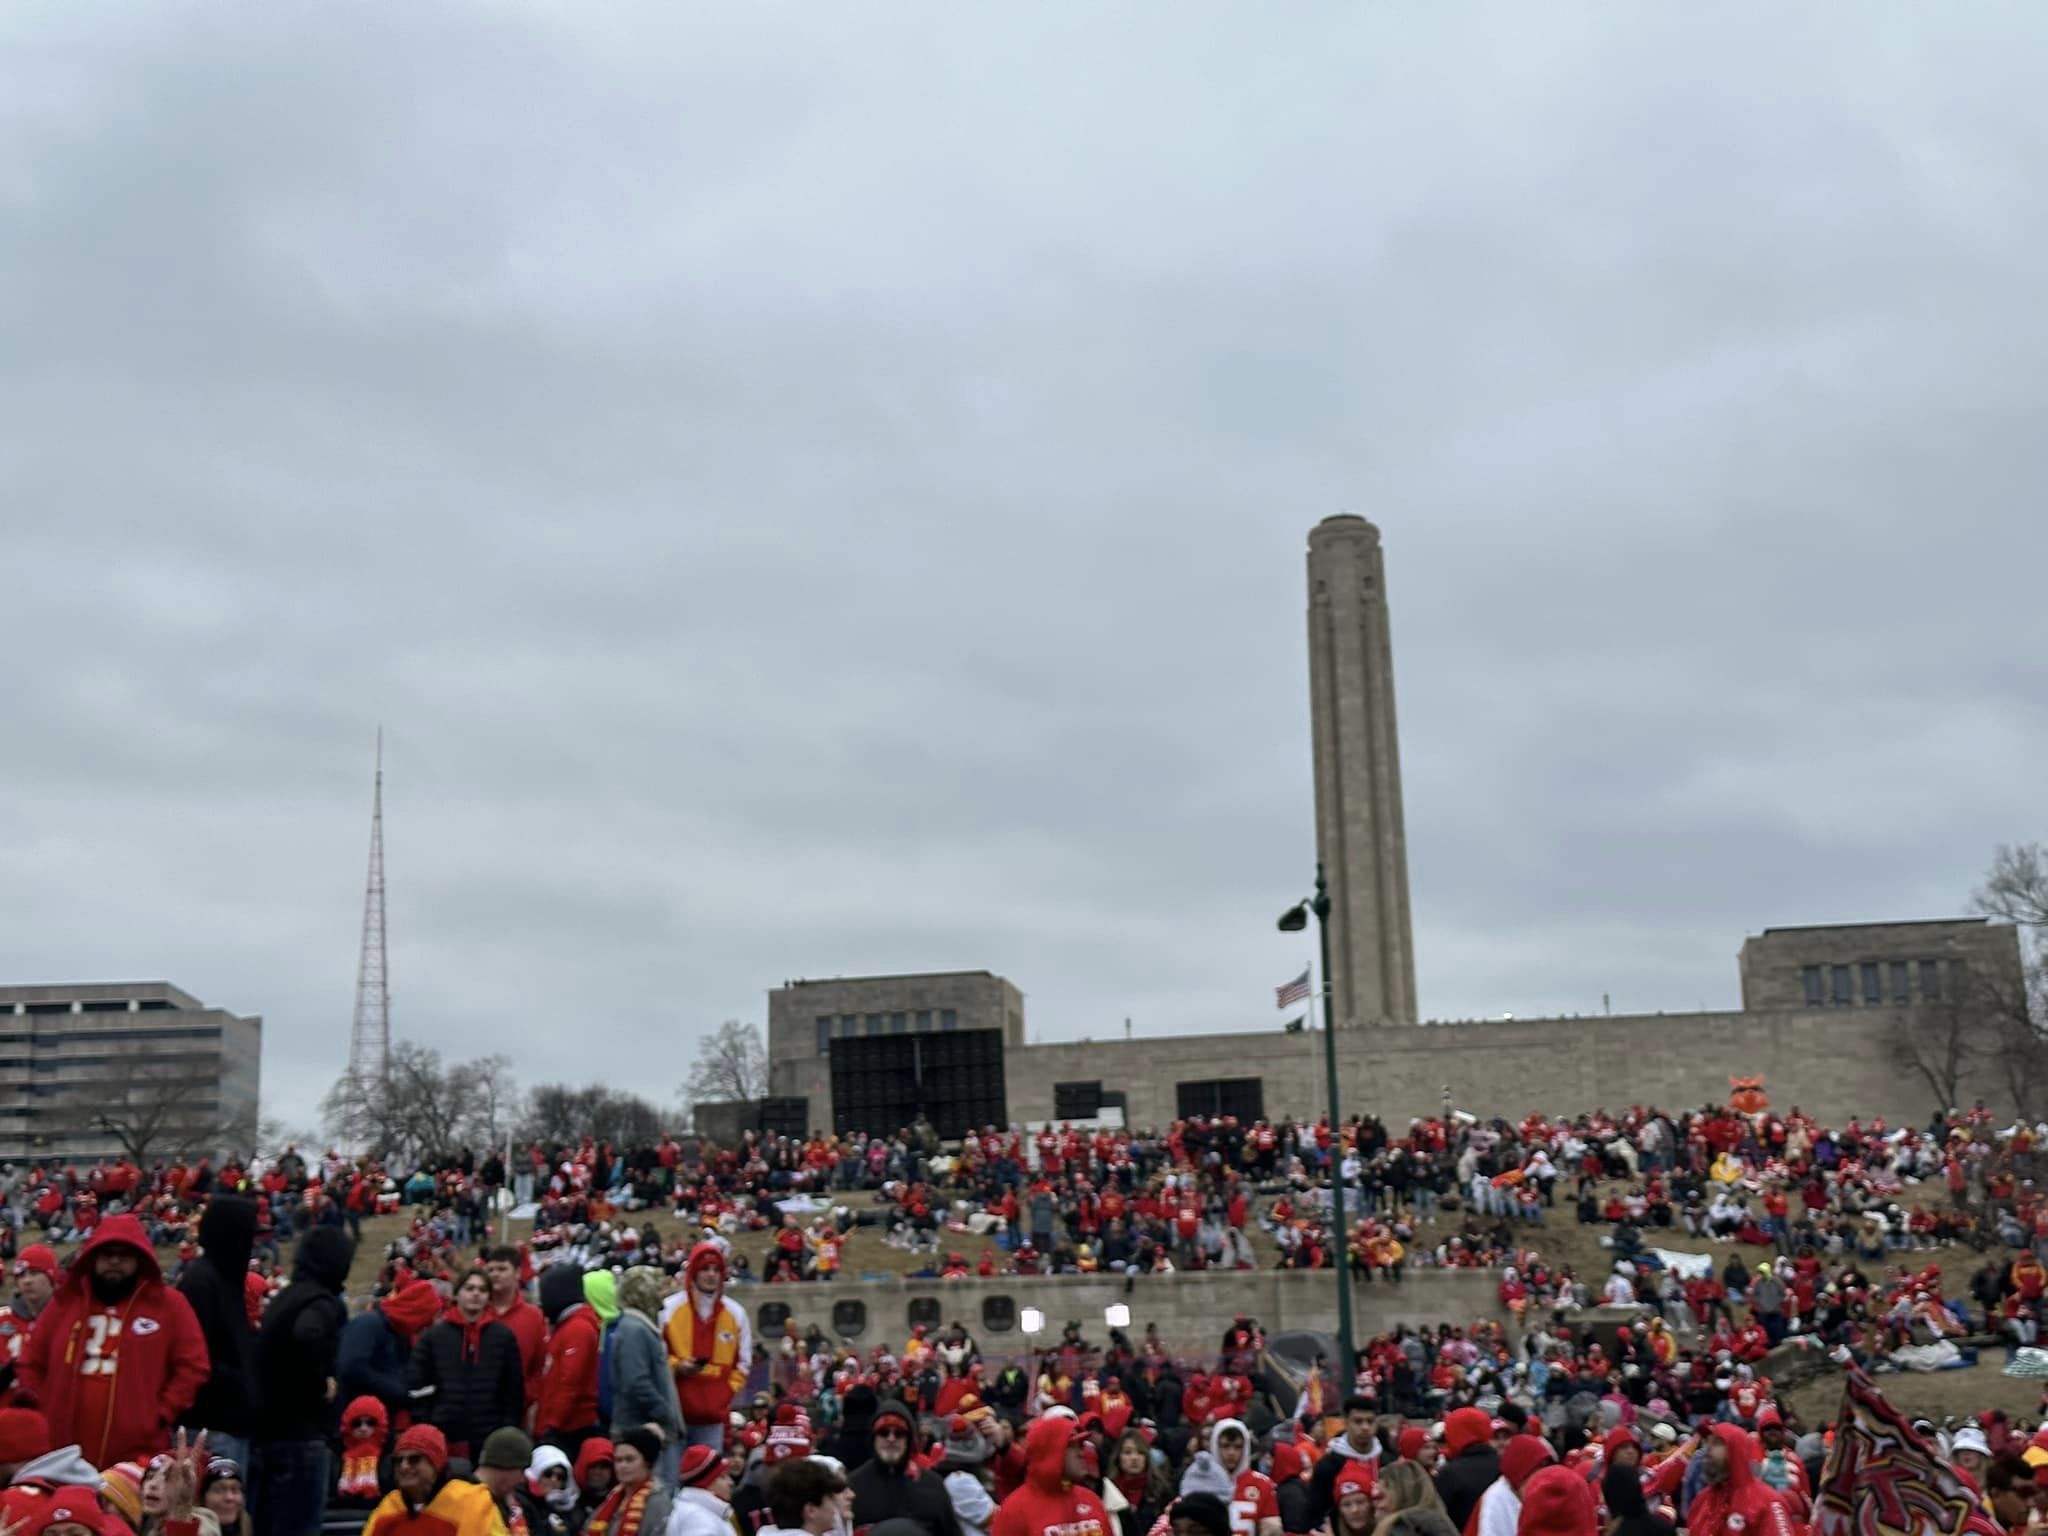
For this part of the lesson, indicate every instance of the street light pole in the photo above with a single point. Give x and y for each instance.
(1293, 921)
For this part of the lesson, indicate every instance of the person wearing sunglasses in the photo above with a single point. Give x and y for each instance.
(891, 1485)
(426, 1498)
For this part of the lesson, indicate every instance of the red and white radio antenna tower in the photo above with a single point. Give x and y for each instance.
(369, 1047)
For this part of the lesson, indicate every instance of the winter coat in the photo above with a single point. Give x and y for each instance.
(723, 1341)
(212, 1283)
(906, 1491)
(457, 1508)
(1047, 1502)
(696, 1513)
(568, 1390)
(642, 1390)
(299, 1346)
(1739, 1505)
(372, 1361)
(466, 1382)
(1322, 1482)
(155, 1366)
(1471, 1464)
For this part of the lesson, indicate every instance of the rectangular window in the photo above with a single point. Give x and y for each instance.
(948, 1019)
(1902, 982)
(874, 1025)
(824, 1034)
(924, 1021)
(1873, 982)
(1930, 981)
(1815, 993)
(1844, 991)
(1244, 1097)
(899, 1023)
(1077, 1101)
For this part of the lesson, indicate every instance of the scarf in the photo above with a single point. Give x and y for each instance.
(359, 1466)
(625, 1506)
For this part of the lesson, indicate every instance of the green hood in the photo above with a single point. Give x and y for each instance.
(601, 1290)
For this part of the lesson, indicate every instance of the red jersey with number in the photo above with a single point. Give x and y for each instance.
(1252, 1500)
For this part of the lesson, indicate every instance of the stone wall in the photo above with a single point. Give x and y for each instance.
(1190, 1310)
(1831, 1063)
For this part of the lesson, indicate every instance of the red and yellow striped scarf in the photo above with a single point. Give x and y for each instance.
(628, 1517)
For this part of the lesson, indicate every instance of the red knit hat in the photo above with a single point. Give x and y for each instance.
(1358, 1476)
(74, 1506)
(1286, 1461)
(411, 1307)
(24, 1435)
(36, 1259)
(1558, 1502)
(1411, 1442)
(424, 1440)
(701, 1466)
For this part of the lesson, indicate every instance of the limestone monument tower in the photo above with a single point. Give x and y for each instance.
(1359, 836)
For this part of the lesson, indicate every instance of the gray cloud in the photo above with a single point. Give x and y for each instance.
(810, 493)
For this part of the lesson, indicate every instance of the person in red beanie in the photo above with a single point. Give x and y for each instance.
(1359, 1442)
(1732, 1502)
(1500, 1506)
(35, 1282)
(1470, 1463)
(118, 1355)
(1287, 1467)
(1050, 1503)
(1415, 1445)
(1556, 1501)
(427, 1502)
(710, 1348)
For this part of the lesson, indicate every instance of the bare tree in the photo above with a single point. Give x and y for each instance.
(2015, 891)
(559, 1115)
(419, 1108)
(732, 1063)
(159, 1103)
(1944, 1046)
(497, 1100)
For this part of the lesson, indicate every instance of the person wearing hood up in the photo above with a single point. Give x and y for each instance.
(1359, 1442)
(227, 1406)
(1556, 1501)
(1732, 1501)
(1470, 1464)
(1621, 1489)
(1224, 1467)
(567, 1415)
(642, 1389)
(1051, 1501)
(376, 1346)
(118, 1356)
(296, 1355)
(1500, 1506)
(466, 1377)
(710, 1346)
(893, 1484)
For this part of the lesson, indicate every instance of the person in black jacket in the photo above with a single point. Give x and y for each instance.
(850, 1444)
(466, 1377)
(1359, 1442)
(297, 1359)
(226, 1407)
(893, 1486)
(376, 1346)
(1471, 1465)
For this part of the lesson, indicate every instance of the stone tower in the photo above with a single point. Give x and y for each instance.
(1359, 836)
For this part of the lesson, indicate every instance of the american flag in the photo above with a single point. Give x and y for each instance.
(1295, 991)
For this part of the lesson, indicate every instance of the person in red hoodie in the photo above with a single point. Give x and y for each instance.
(1052, 1501)
(1557, 1501)
(567, 1415)
(501, 1267)
(710, 1346)
(117, 1355)
(1732, 1502)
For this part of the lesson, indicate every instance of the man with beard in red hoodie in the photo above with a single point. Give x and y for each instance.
(1051, 1502)
(117, 1355)
(1732, 1501)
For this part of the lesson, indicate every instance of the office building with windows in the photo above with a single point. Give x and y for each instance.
(74, 1057)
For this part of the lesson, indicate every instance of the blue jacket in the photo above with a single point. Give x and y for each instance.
(372, 1362)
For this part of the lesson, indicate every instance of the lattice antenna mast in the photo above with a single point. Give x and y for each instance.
(369, 1049)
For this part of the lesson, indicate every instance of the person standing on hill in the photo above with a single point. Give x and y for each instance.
(117, 1356)
(501, 1266)
(213, 1283)
(297, 1359)
(710, 1348)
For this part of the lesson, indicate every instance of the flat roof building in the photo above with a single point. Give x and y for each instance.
(145, 1068)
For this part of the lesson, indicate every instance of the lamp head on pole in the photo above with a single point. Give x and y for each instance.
(1295, 918)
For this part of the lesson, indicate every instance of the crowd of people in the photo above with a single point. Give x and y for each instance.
(604, 1377)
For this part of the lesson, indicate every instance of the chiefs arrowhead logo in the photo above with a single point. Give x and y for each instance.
(146, 1325)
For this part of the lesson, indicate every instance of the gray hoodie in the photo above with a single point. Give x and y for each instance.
(643, 1390)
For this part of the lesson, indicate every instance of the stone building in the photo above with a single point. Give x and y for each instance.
(1832, 1058)
(142, 1050)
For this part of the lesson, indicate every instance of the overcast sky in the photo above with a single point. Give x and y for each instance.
(822, 489)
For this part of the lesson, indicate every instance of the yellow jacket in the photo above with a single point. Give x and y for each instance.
(457, 1508)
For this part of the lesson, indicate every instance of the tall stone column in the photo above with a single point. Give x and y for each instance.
(1359, 835)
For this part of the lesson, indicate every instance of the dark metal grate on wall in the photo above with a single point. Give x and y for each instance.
(884, 1083)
